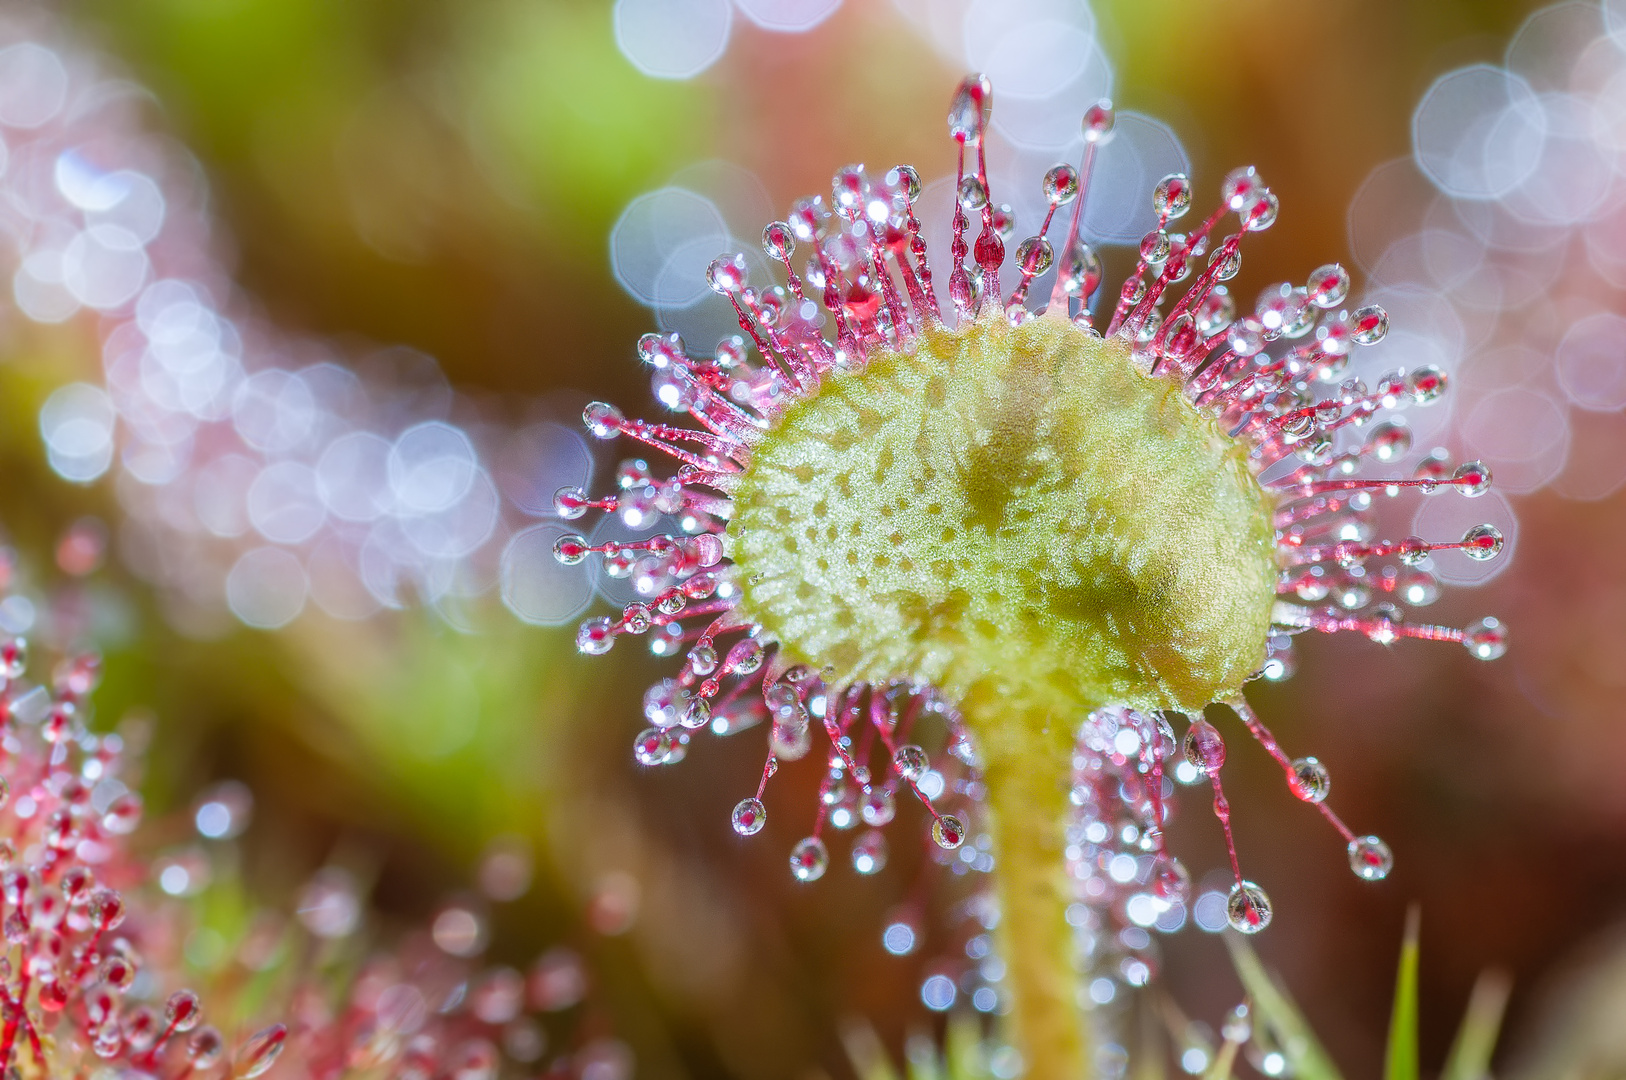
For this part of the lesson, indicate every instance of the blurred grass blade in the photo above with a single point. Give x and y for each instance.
(1221, 1068)
(1148, 1062)
(925, 1061)
(965, 1056)
(865, 1051)
(1273, 1007)
(1400, 1062)
(1476, 1038)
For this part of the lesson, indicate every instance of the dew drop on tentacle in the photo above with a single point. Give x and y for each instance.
(1389, 441)
(1171, 880)
(948, 831)
(970, 109)
(1369, 325)
(746, 656)
(1426, 385)
(261, 1051)
(1080, 270)
(809, 859)
(702, 660)
(698, 714)
(1034, 255)
(603, 420)
(1311, 781)
(666, 703)
(749, 817)
(1482, 542)
(869, 852)
(1172, 197)
(1060, 185)
(570, 503)
(911, 762)
(1417, 587)
(1154, 248)
(1328, 285)
(596, 636)
(1472, 479)
(652, 747)
(1247, 908)
(878, 807)
(778, 240)
(1098, 122)
(1204, 746)
(972, 194)
(570, 549)
(1486, 639)
(1242, 188)
(1370, 858)
(1262, 214)
(13, 658)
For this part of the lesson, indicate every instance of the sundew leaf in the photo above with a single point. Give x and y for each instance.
(1400, 1060)
(1274, 1008)
(1476, 1038)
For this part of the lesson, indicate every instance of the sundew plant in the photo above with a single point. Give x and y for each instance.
(1055, 525)
(80, 992)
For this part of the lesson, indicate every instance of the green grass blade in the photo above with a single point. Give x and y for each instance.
(1476, 1038)
(1400, 1061)
(1273, 1007)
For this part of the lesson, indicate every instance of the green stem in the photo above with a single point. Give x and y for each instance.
(1027, 755)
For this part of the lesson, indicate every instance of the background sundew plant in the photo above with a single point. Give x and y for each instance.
(994, 411)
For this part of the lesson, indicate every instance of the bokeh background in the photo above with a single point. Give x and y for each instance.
(464, 180)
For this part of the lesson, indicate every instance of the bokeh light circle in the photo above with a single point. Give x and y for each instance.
(653, 229)
(266, 587)
(788, 16)
(1478, 132)
(76, 422)
(1591, 362)
(33, 85)
(536, 587)
(672, 39)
